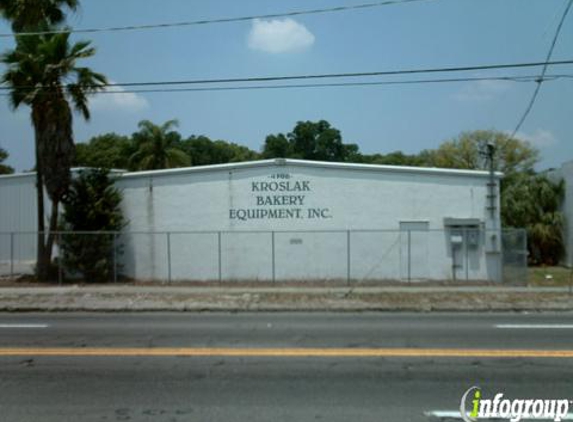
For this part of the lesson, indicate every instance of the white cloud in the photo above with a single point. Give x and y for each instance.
(279, 36)
(482, 90)
(128, 102)
(540, 138)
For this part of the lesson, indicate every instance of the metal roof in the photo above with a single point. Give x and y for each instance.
(73, 170)
(281, 162)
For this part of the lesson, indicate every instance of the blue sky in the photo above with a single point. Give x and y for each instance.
(438, 33)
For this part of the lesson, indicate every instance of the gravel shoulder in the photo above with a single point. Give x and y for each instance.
(237, 299)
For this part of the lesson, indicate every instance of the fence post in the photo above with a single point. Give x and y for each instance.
(11, 256)
(273, 256)
(348, 268)
(60, 275)
(409, 256)
(570, 275)
(466, 247)
(220, 264)
(169, 257)
(114, 257)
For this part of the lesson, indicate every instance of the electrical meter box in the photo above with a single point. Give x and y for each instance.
(464, 231)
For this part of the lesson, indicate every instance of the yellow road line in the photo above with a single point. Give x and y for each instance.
(287, 352)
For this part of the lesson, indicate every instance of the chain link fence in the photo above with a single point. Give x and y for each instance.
(355, 256)
(515, 253)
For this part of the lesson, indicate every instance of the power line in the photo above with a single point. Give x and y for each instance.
(216, 21)
(532, 78)
(322, 76)
(541, 78)
(523, 79)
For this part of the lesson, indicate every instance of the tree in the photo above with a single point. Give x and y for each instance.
(122, 152)
(109, 151)
(35, 15)
(317, 141)
(200, 149)
(203, 151)
(277, 146)
(92, 205)
(43, 74)
(310, 141)
(533, 202)
(467, 152)
(235, 153)
(396, 158)
(115, 151)
(4, 169)
(158, 147)
(36, 72)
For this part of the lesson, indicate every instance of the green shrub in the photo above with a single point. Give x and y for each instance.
(91, 211)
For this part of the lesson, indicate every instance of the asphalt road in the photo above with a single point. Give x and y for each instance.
(240, 367)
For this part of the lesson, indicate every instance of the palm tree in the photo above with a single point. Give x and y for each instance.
(43, 74)
(35, 15)
(4, 169)
(158, 147)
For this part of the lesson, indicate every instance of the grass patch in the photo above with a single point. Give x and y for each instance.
(549, 276)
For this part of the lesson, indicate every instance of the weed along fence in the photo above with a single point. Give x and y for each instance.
(345, 256)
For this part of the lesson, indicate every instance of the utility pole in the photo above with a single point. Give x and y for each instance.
(492, 194)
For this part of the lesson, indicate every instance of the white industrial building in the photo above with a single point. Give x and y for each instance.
(289, 219)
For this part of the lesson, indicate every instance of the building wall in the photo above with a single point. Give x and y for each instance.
(18, 203)
(285, 220)
(242, 206)
(18, 215)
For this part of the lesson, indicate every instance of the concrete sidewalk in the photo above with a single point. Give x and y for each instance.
(302, 298)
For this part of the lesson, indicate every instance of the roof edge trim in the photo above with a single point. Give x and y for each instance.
(282, 162)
